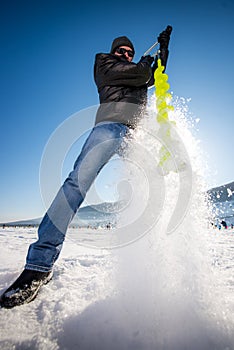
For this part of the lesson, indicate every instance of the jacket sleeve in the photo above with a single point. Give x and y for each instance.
(114, 72)
(154, 67)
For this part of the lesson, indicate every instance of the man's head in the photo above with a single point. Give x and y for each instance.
(122, 46)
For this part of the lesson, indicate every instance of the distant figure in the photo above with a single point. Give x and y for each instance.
(224, 224)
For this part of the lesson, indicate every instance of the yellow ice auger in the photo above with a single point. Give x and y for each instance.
(163, 98)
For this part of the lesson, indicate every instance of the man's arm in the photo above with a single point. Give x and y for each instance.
(116, 72)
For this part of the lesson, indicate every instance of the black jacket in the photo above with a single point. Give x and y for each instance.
(122, 88)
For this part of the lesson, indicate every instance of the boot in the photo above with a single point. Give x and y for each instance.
(25, 288)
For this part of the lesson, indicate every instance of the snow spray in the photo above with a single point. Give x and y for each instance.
(168, 293)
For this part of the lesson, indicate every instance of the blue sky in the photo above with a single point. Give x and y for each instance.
(47, 55)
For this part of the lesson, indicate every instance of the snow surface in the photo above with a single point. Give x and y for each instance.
(80, 279)
(121, 299)
(154, 291)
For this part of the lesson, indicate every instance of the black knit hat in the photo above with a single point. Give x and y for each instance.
(121, 41)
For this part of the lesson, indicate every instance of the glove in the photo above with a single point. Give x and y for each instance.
(163, 39)
(147, 59)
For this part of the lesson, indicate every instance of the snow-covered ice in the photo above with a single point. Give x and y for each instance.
(80, 279)
(123, 299)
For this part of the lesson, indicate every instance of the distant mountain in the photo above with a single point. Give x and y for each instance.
(97, 214)
(222, 198)
(222, 193)
(29, 222)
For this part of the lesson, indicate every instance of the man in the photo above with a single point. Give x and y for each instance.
(122, 87)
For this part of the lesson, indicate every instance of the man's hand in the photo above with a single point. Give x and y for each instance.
(163, 39)
(147, 59)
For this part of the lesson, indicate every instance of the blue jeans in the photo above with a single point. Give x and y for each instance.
(103, 142)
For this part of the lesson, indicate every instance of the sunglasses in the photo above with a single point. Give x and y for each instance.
(122, 51)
